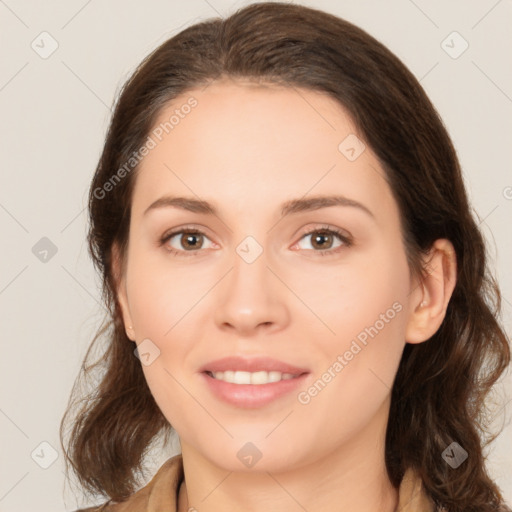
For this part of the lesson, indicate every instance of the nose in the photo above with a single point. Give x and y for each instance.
(251, 298)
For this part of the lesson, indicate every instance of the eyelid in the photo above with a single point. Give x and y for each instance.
(313, 228)
(189, 227)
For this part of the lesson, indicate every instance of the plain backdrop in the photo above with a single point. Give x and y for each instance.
(62, 66)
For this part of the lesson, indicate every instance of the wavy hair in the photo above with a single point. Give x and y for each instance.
(440, 390)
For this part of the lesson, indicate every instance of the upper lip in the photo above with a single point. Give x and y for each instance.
(251, 364)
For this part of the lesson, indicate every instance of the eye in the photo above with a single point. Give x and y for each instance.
(191, 239)
(323, 237)
(188, 241)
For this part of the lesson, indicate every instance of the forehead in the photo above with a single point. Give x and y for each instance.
(251, 145)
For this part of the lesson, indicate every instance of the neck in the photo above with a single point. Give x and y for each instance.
(386, 500)
(353, 477)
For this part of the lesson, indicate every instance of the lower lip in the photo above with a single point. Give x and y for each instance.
(252, 395)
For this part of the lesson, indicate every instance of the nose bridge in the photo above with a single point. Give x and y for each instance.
(250, 294)
(250, 266)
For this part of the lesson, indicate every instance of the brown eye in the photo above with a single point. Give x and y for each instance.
(191, 240)
(179, 242)
(322, 241)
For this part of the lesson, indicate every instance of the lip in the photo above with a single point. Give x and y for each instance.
(252, 364)
(251, 396)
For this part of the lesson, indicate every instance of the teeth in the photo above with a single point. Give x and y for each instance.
(238, 377)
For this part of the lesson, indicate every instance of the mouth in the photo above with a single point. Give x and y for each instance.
(251, 390)
(255, 378)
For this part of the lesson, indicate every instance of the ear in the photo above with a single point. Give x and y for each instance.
(120, 284)
(430, 296)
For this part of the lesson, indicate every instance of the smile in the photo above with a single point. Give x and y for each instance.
(240, 377)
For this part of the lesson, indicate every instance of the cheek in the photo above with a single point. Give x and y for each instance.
(357, 362)
(350, 297)
(365, 310)
(163, 302)
(161, 295)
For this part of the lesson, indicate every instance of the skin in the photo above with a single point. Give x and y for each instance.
(247, 149)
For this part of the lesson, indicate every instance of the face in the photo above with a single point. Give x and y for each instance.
(327, 289)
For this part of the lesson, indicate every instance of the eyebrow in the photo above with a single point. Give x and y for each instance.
(289, 207)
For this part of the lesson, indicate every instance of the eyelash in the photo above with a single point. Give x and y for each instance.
(347, 242)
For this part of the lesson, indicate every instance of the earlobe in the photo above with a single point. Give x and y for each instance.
(430, 299)
(121, 294)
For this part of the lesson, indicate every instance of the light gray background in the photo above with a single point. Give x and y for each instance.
(55, 113)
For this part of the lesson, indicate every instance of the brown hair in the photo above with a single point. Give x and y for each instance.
(438, 396)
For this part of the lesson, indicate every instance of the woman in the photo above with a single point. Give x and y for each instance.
(296, 284)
